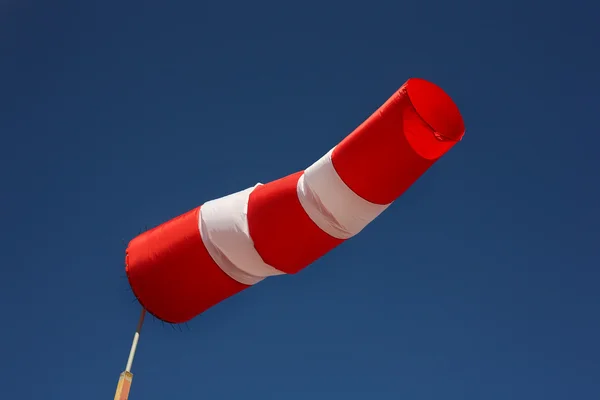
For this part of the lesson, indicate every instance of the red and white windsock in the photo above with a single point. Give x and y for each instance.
(192, 262)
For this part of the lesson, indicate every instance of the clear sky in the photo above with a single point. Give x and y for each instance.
(481, 282)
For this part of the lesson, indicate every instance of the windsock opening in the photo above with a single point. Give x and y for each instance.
(437, 109)
(392, 148)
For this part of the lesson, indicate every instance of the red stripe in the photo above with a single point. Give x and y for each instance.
(385, 155)
(171, 273)
(283, 234)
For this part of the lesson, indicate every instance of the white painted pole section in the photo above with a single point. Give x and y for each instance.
(136, 338)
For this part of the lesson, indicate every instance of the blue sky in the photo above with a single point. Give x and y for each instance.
(481, 282)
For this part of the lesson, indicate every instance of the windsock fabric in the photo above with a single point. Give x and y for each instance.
(192, 262)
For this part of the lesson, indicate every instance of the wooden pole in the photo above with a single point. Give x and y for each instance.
(124, 385)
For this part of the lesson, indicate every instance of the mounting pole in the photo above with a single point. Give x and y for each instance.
(126, 376)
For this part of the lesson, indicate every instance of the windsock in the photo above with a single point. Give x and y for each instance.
(186, 265)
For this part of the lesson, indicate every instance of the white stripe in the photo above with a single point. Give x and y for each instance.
(331, 204)
(224, 229)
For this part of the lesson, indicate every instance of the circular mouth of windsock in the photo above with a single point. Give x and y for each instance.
(438, 111)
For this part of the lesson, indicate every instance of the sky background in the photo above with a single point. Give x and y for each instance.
(481, 282)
